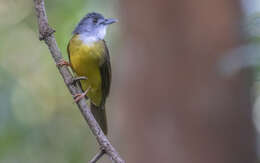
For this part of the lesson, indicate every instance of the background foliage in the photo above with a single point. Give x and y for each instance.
(38, 120)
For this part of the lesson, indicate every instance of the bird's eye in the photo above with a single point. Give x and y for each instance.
(95, 20)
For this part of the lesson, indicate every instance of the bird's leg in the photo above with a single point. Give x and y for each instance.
(76, 79)
(62, 62)
(79, 96)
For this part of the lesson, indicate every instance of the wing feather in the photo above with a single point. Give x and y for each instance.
(105, 70)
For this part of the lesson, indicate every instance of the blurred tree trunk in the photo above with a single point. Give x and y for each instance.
(176, 107)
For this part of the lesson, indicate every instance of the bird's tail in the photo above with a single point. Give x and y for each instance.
(100, 116)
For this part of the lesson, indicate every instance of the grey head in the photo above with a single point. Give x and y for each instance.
(93, 25)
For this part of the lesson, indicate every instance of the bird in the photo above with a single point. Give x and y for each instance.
(89, 57)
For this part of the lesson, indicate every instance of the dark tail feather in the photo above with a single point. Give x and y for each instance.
(100, 116)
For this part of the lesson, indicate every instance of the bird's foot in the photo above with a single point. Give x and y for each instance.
(79, 96)
(76, 79)
(62, 62)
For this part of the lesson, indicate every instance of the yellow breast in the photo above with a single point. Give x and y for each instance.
(86, 60)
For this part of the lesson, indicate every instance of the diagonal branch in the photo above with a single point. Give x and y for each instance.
(97, 156)
(46, 34)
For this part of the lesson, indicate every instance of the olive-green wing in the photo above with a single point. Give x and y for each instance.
(68, 50)
(106, 74)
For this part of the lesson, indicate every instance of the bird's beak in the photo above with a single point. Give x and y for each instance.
(110, 21)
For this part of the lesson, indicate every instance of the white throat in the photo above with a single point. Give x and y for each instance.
(93, 37)
(89, 40)
(102, 32)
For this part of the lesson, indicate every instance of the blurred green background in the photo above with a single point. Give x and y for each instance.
(38, 120)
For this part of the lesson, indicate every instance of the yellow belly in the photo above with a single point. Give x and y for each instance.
(86, 60)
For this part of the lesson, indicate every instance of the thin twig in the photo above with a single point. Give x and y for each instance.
(46, 34)
(97, 156)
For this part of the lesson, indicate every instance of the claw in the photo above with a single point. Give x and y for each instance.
(62, 62)
(79, 96)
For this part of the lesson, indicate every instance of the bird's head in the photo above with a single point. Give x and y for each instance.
(93, 25)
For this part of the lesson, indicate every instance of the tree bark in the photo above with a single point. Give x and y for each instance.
(177, 106)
